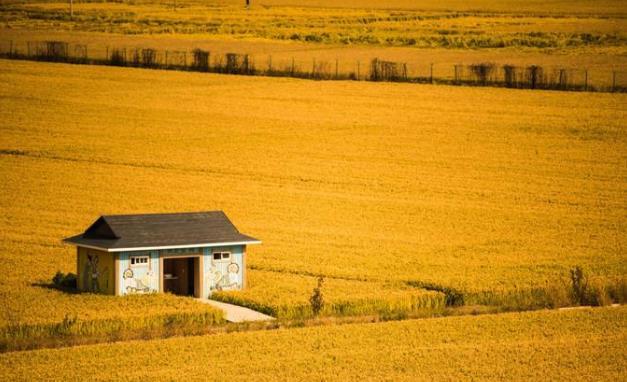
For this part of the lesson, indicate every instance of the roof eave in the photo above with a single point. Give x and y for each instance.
(155, 248)
(199, 245)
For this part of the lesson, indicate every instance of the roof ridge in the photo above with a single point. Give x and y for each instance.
(164, 213)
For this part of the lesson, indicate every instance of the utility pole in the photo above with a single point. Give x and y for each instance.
(71, 9)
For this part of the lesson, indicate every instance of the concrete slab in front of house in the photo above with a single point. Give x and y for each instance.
(235, 313)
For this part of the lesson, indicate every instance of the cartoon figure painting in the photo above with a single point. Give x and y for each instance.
(135, 285)
(233, 274)
(93, 274)
(138, 280)
(139, 276)
(227, 281)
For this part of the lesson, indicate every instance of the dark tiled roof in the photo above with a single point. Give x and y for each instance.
(160, 230)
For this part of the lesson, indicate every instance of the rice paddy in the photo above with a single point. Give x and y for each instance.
(584, 37)
(421, 209)
(573, 345)
(472, 189)
(285, 295)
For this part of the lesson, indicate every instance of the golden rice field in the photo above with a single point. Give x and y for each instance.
(582, 345)
(482, 190)
(601, 7)
(553, 25)
(285, 295)
(585, 37)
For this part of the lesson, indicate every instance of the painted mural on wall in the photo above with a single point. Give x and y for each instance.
(135, 285)
(225, 280)
(223, 269)
(137, 279)
(95, 277)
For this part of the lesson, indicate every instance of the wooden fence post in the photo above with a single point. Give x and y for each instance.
(270, 63)
(166, 58)
(358, 67)
(585, 86)
(613, 81)
(431, 73)
(561, 80)
(336, 69)
(313, 68)
(292, 66)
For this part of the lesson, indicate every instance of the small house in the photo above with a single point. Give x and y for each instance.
(190, 254)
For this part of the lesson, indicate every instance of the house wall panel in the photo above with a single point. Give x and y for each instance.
(223, 275)
(95, 271)
(133, 279)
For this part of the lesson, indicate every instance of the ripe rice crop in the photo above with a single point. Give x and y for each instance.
(409, 201)
(551, 26)
(74, 331)
(475, 190)
(286, 295)
(545, 345)
(585, 39)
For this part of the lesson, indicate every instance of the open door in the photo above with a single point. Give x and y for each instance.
(181, 276)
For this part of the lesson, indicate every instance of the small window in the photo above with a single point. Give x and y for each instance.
(139, 261)
(222, 256)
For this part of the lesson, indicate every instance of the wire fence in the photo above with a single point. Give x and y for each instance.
(199, 60)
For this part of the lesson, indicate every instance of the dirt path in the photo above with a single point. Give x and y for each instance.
(234, 313)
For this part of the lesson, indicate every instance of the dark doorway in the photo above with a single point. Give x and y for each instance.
(180, 275)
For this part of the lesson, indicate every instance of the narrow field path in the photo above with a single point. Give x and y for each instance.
(235, 313)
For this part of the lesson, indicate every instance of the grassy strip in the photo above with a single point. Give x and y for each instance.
(67, 334)
(584, 344)
(396, 300)
(556, 294)
(72, 331)
(595, 292)
(287, 295)
(397, 308)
